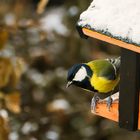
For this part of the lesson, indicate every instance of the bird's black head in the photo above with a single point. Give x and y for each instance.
(79, 75)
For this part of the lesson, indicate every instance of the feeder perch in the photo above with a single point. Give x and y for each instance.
(118, 23)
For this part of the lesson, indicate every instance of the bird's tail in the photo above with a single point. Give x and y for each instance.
(116, 62)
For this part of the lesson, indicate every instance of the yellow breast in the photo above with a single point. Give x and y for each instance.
(102, 84)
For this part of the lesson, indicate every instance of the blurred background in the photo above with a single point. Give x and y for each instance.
(38, 43)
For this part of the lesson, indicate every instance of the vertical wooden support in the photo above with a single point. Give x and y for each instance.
(129, 90)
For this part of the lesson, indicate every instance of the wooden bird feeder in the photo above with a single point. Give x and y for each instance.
(126, 111)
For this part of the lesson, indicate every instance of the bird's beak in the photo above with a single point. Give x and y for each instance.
(68, 84)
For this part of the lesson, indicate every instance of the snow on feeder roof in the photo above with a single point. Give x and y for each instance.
(116, 18)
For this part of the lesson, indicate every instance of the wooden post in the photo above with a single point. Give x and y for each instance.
(129, 90)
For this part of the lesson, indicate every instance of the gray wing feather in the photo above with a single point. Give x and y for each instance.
(116, 62)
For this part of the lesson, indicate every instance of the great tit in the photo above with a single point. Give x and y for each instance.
(99, 76)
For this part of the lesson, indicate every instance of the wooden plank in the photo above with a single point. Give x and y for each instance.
(102, 111)
(113, 114)
(111, 40)
(129, 90)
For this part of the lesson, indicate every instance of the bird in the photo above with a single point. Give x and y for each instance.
(100, 76)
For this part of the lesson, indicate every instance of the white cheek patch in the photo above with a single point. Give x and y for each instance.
(81, 74)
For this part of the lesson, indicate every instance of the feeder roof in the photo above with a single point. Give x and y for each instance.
(116, 18)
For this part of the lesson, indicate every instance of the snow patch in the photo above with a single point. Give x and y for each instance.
(118, 18)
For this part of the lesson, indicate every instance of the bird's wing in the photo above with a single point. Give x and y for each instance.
(103, 68)
(115, 63)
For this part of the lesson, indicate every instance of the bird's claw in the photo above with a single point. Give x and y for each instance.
(109, 103)
(94, 102)
(96, 99)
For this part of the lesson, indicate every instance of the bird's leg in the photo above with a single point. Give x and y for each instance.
(109, 102)
(94, 102)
